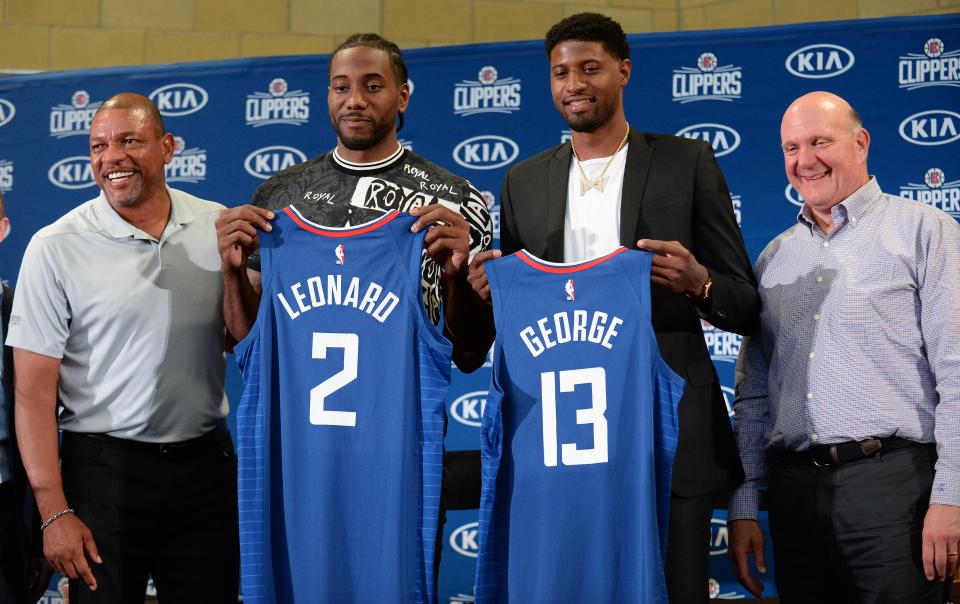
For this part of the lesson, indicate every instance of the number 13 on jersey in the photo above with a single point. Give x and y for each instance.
(569, 379)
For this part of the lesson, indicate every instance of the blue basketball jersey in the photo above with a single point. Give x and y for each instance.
(578, 436)
(340, 427)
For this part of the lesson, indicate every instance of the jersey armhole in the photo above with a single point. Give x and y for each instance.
(268, 255)
(415, 277)
(640, 284)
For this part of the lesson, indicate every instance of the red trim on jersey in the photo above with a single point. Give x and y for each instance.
(565, 268)
(346, 232)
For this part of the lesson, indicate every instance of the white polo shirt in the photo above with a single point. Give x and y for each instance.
(137, 322)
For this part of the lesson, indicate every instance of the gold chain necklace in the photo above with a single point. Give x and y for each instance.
(597, 183)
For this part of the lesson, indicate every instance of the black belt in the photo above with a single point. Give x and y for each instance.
(176, 449)
(841, 453)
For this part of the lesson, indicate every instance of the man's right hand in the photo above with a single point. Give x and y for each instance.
(477, 275)
(746, 538)
(237, 234)
(66, 544)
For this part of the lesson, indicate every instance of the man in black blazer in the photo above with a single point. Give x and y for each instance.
(23, 572)
(674, 202)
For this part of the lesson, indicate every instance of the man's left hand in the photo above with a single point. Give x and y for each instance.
(448, 243)
(941, 537)
(675, 267)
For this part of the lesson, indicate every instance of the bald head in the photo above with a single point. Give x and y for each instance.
(135, 102)
(828, 105)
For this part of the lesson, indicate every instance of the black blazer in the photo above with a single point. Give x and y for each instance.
(673, 190)
(26, 522)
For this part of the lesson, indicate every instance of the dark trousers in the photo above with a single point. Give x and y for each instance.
(688, 549)
(851, 534)
(166, 511)
(14, 559)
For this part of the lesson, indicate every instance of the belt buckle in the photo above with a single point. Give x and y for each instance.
(834, 459)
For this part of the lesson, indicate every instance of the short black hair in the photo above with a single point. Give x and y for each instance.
(135, 102)
(590, 27)
(377, 42)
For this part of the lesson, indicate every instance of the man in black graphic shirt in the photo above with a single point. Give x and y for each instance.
(366, 175)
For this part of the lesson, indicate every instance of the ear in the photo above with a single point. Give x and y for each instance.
(404, 97)
(625, 67)
(167, 144)
(4, 227)
(862, 139)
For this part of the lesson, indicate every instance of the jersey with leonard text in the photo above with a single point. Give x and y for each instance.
(578, 436)
(340, 426)
(333, 192)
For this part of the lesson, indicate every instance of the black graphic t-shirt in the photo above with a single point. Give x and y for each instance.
(332, 192)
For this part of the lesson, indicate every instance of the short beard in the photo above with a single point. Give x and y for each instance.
(587, 124)
(380, 132)
(125, 202)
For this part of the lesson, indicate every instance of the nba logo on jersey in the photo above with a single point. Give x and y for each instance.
(571, 294)
(341, 259)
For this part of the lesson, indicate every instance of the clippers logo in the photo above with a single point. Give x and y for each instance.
(568, 288)
(464, 540)
(736, 202)
(723, 139)
(485, 152)
(936, 191)
(708, 81)
(792, 196)
(494, 210)
(6, 175)
(374, 193)
(73, 119)
(819, 61)
(264, 162)
(723, 345)
(72, 173)
(7, 111)
(928, 128)
(406, 144)
(341, 257)
(565, 136)
(174, 100)
(279, 105)
(487, 95)
(719, 537)
(713, 588)
(187, 165)
(932, 68)
(468, 409)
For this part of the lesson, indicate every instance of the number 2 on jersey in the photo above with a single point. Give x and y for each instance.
(596, 377)
(350, 344)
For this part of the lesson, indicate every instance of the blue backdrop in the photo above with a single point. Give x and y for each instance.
(476, 109)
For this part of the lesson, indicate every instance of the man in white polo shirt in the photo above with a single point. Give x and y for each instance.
(118, 315)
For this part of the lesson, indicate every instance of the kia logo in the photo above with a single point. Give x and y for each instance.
(928, 128)
(174, 100)
(485, 152)
(819, 61)
(266, 161)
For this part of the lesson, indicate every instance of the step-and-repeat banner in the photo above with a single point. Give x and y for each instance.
(476, 109)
